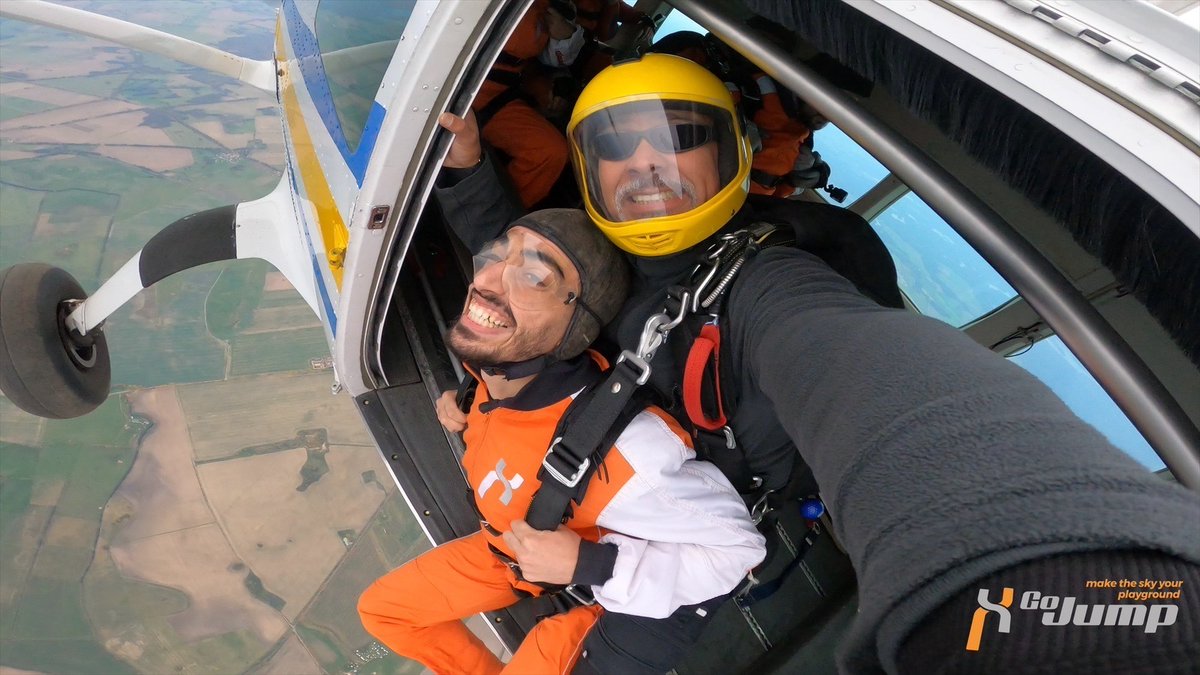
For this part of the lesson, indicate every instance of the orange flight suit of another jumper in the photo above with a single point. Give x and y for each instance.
(782, 137)
(537, 151)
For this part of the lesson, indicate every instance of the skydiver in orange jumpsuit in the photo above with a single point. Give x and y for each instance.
(537, 152)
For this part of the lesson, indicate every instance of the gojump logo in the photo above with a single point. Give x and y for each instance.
(1065, 611)
(987, 607)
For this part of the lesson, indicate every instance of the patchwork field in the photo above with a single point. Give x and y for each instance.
(224, 417)
(272, 524)
(129, 539)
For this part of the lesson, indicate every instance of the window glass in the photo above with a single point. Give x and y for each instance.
(1054, 364)
(852, 168)
(357, 39)
(939, 272)
(675, 22)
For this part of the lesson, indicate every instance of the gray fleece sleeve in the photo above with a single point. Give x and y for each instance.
(940, 462)
(476, 203)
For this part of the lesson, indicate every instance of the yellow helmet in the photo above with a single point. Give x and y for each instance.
(660, 152)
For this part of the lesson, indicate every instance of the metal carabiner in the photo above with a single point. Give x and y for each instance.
(685, 306)
(651, 338)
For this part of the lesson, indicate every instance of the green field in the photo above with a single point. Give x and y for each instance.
(43, 625)
(101, 86)
(234, 297)
(14, 106)
(278, 351)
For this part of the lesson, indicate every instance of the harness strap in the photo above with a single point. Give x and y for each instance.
(590, 420)
(705, 351)
(765, 179)
(768, 589)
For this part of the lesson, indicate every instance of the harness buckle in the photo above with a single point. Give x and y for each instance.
(569, 481)
(639, 362)
(581, 595)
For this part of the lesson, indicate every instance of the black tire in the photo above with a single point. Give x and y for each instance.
(42, 370)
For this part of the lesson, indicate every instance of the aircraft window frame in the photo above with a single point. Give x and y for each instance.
(1048, 358)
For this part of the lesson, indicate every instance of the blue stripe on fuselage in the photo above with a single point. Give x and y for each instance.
(308, 55)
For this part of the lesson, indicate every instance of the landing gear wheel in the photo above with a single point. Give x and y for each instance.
(45, 369)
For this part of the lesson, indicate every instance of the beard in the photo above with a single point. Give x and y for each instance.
(479, 351)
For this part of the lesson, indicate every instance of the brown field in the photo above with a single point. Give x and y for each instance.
(127, 129)
(216, 131)
(47, 492)
(235, 106)
(84, 63)
(290, 538)
(70, 532)
(172, 538)
(162, 489)
(18, 426)
(277, 282)
(267, 319)
(200, 562)
(293, 659)
(123, 128)
(43, 227)
(23, 553)
(66, 115)
(266, 127)
(272, 156)
(14, 155)
(6, 670)
(36, 92)
(154, 159)
(224, 417)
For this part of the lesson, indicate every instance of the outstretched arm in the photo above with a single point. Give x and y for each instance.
(941, 463)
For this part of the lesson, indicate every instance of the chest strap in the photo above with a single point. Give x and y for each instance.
(583, 438)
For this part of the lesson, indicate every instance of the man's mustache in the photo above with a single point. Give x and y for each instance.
(496, 306)
(678, 187)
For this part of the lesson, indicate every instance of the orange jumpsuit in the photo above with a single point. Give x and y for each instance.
(782, 137)
(537, 151)
(682, 533)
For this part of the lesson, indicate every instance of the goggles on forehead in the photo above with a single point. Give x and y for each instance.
(531, 276)
(677, 137)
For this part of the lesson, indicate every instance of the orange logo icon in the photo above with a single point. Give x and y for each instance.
(987, 607)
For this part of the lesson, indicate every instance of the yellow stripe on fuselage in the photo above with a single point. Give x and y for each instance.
(334, 234)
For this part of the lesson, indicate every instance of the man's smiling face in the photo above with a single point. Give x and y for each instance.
(517, 307)
(652, 182)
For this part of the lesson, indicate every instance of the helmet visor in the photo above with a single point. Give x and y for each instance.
(528, 268)
(646, 159)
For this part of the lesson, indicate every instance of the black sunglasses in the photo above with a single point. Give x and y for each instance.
(614, 146)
